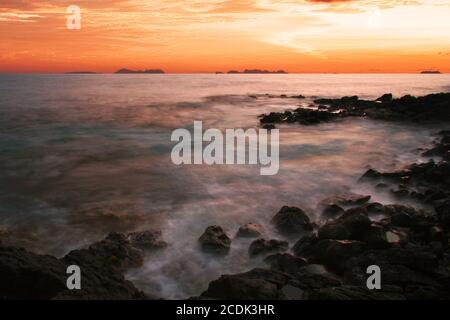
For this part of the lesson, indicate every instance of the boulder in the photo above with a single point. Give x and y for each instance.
(329, 252)
(147, 240)
(250, 230)
(349, 199)
(348, 292)
(285, 262)
(332, 210)
(292, 220)
(305, 246)
(262, 246)
(114, 251)
(25, 275)
(375, 237)
(352, 225)
(443, 212)
(256, 284)
(214, 240)
(385, 98)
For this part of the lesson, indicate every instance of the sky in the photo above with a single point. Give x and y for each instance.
(190, 36)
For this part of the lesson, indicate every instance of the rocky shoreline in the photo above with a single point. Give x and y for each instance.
(329, 258)
(410, 246)
(25, 275)
(431, 107)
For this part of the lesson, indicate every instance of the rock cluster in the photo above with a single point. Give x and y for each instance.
(435, 107)
(411, 246)
(25, 275)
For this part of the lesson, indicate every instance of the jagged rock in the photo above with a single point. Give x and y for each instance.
(371, 174)
(374, 208)
(349, 199)
(250, 230)
(375, 237)
(115, 251)
(269, 126)
(386, 98)
(292, 220)
(432, 107)
(332, 210)
(150, 239)
(284, 262)
(402, 219)
(347, 292)
(352, 225)
(443, 213)
(329, 252)
(256, 284)
(305, 246)
(25, 275)
(214, 240)
(262, 246)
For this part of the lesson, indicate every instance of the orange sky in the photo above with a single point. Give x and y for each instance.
(219, 35)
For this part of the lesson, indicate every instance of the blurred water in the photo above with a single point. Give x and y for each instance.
(83, 155)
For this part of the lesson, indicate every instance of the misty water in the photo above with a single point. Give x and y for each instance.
(84, 155)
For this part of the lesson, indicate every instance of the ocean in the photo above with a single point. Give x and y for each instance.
(84, 155)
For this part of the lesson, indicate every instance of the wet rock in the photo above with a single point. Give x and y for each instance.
(262, 246)
(393, 237)
(350, 199)
(402, 219)
(214, 240)
(348, 292)
(284, 262)
(374, 208)
(332, 210)
(370, 175)
(269, 126)
(433, 107)
(291, 292)
(386, 98)
(381, 186)
(25, 275)
(250, 230)
(147, 240)
(443, 213)
(375, 237)
(329, 252)
(305, 246)
(292, 220)
(399, 193)
(352, 225)
(256, 284)
(310, 281)
(114, 251)
(310, 116)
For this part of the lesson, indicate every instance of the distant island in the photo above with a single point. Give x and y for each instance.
(126, 71)
(430, 72)
(254, 71)
(81, 72)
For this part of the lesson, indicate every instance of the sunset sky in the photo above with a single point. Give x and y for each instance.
(219, 35)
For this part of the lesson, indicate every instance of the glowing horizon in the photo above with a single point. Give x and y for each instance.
(181, 36)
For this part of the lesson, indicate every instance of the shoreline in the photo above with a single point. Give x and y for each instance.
(411, 244)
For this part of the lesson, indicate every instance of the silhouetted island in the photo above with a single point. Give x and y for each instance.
(256, 71)
(430, 72)
(126, 71)
(81, 72)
